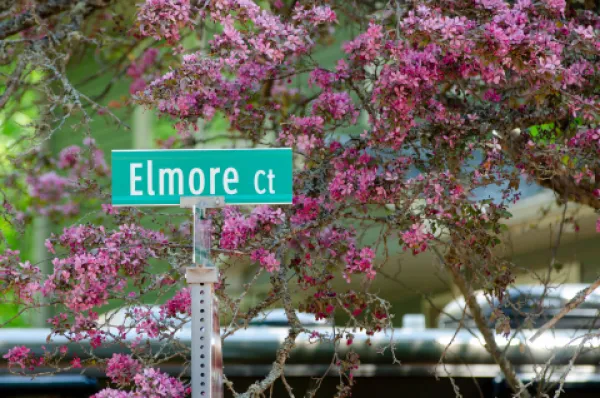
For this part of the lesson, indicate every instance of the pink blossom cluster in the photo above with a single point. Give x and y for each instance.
(147, 383)
(306, 209)
(271, 37)
(326, 79)
(79, 162)
(147, 323)
(99, 262)
(440, 190)
(315, 15)
(121, 369)
(416, 238)
(365, 48)
(586, 139)
(48, 187)
(420, 76)
(303, 133)
(162, 19)
(356, 174)
(359, 262)
(53, 193)
(180, 304)
(19, 356)
(251, 48)
(464, 48)
(79, 326)
(22, 277)
(238, 229)
(266, 259)
(137, 69)
(152, 383)
(336, 106)
(338, 243)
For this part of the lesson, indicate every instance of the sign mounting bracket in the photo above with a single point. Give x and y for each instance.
(206, 357)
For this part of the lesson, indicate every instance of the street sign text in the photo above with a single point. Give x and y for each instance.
(162, 177)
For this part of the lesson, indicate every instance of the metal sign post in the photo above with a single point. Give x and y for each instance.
(207, 364)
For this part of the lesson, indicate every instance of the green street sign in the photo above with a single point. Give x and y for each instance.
(162, 177)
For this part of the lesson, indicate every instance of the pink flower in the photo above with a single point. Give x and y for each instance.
(163, 18)
(337, 106)
(48, 244)
(359, 262)
(69, 157)
(415, 238)
(315, 15)
(122, 368)
(89, 141)
(179, 304)
(550, 64)
(306, 133)
(87, 279)
(366, 46)
(138, 84)
(266, 259)
(306, 209)
(49, 187)
(152, 383)
(18, 356)
(112, 393)
(557, 6)
(109, 209)
(492, 95)
(76, 363)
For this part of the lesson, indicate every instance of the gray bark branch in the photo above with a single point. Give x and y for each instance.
(488, 336)
(47, 9)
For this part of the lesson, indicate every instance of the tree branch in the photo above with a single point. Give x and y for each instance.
(12, 84)
(562, 183)
(490, 341)
(570, 306)
(46, 9)
(284, 350)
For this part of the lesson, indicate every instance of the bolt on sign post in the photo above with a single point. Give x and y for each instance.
(202, 179)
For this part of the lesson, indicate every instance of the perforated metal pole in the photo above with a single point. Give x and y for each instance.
(207, 365)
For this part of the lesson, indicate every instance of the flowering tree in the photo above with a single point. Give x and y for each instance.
(457, 95)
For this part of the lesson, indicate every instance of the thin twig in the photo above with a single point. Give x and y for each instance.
(570, 306)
